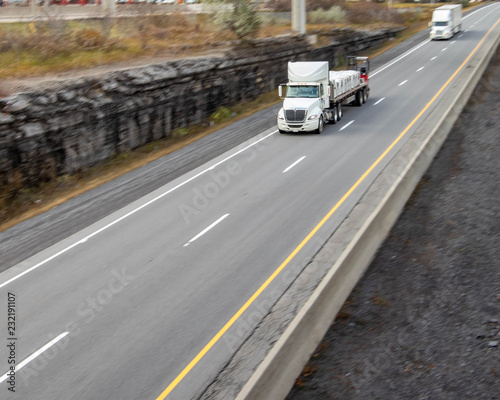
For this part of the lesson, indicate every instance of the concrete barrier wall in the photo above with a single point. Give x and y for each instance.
(70, 126)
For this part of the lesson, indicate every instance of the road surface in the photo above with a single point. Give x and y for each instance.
(120, 308)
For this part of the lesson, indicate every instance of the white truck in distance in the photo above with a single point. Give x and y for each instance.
(446, 21)
(314, 95)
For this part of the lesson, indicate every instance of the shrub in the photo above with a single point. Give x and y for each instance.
(240, 17)
(178, 133)
(334, 14)
(221, 114)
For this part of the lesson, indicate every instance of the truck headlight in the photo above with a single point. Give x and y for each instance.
(314, 116)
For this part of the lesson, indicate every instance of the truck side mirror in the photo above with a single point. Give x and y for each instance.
(282, 91)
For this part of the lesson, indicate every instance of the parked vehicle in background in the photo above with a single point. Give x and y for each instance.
(446, 21)
(13, 2)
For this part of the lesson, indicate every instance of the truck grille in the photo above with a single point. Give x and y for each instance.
(295, 115)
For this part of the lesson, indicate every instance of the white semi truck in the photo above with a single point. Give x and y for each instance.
(314, 95)
(446, 21)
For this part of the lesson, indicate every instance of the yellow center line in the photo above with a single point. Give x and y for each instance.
(235, 317)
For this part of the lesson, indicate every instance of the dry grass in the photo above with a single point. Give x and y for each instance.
(53, 46)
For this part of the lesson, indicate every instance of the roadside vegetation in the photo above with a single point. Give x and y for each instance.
(53, 45)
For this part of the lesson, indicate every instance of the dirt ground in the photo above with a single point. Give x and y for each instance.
(424, 321)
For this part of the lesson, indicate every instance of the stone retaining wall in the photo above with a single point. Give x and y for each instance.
(62, 129)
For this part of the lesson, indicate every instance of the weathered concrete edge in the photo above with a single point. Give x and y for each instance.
(276, 374)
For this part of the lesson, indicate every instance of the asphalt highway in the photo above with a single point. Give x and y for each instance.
(146, 301)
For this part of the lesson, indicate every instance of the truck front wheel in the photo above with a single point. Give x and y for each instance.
(340, 113)
(321, 125)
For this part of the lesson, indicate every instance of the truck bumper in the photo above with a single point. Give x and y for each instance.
(446, 36)
(307, 126)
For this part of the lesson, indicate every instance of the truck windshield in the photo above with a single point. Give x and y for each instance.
(302, 91)
(441, 23)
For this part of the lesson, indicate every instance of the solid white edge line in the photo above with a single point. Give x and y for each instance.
(346, 125)
(293, 165)
(206, 229)
(134, 211)
(35, 354)
(379, 101)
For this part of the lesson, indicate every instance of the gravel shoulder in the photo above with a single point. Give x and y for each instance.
(424, 321)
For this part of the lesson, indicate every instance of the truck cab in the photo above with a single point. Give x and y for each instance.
(446, 21)
(303, 105)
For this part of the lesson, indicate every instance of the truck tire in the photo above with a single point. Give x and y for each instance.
(340, 113)
(321, 125)
(359, 99)
(332, 116)
(363, 95)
